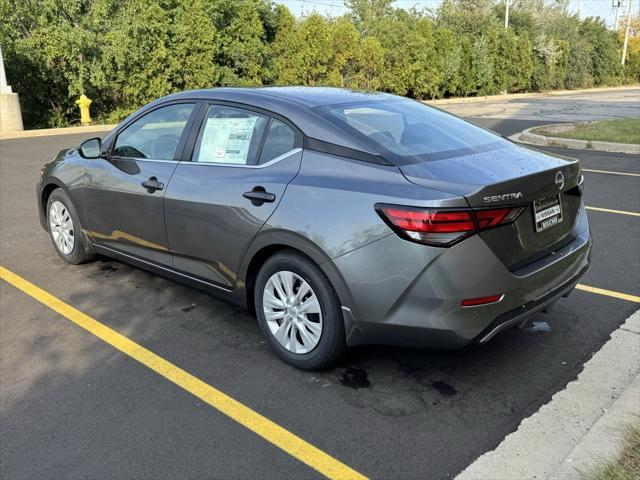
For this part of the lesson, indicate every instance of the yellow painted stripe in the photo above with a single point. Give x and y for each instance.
(619, 212)
(608, 293)
(610, 172)
(260, 425)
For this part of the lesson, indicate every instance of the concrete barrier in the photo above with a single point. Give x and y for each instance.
(10, 115)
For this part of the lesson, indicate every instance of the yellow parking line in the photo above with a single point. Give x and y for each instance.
(608, 293)
(248, 418)
(619, 212)
(611, 172)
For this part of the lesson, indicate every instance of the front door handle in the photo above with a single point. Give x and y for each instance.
(152, 185)
(258, 196)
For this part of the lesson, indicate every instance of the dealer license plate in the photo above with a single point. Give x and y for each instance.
(548, 212)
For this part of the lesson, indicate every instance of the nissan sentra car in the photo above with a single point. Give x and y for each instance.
(337, 217)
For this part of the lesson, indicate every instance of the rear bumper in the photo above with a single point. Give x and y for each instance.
(402, 293)
(522, 313)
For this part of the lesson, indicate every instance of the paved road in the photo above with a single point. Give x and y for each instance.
(71, 406)
(570, 107)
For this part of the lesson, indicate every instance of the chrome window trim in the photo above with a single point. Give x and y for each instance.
(238, 165)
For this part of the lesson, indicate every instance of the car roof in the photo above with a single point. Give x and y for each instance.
(309, 97)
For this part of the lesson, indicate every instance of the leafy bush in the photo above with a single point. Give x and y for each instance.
(124, 53)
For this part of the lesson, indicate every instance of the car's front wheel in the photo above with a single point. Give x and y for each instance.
(299, 312)
(65, 230)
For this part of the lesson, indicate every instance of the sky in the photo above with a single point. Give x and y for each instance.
(588, 8)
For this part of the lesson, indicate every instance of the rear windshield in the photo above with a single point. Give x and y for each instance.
(408, 131)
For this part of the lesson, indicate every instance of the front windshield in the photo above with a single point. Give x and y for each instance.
(410, 131)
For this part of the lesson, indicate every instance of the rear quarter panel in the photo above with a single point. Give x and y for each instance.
(331, 202)
(328, 211)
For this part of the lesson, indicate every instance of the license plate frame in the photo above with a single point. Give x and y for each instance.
(547, 212)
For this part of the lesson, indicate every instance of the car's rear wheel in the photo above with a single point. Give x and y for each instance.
(65, 230)
(299, 312)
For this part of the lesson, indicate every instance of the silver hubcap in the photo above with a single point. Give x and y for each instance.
(61, 227)
(292, 311)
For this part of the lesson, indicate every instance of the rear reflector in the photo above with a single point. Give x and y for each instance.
(474, 302)
(443, 227)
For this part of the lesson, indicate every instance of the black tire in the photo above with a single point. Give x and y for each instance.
(81, 251)
(332, 343)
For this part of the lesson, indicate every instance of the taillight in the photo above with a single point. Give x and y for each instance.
(476, 302)
(443, 227)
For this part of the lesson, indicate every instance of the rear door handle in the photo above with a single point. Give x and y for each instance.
(258, 196)
(152, 185)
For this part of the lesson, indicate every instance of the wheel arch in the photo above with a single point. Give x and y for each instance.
(274, 241)
(48, 188)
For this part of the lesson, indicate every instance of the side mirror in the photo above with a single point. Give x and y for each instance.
(91, 148)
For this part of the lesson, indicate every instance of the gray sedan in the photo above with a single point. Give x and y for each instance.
(337, 217)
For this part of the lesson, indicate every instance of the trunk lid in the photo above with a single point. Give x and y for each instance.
(511, 175)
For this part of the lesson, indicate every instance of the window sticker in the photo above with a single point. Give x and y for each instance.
(226, 140)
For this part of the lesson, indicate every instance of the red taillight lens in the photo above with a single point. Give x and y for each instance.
(475, 302)
(443, 227)
(496, 216)
(431, 220)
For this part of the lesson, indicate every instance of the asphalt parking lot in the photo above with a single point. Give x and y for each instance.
(72, 406)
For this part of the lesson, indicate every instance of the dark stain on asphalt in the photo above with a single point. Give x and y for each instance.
(188, 309)
(108, 269)
(444, 388)
(355, 378)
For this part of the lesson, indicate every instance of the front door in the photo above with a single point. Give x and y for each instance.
(216, 203)
(125, 194)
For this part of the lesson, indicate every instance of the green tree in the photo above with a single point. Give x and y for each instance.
(124, 53)
(345, 43)
(242, 54)
(369, 62)
(135, 56)
(193, 44)
(482, 67)
(605, 59)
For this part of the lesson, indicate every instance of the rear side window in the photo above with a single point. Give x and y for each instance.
(229, 135)
(280, 139)
(156, 135)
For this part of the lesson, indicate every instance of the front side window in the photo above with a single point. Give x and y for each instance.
(229, 135)
(410, 131)
(156, 135)
(280, 139)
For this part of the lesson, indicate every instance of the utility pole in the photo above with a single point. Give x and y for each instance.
(616, 4)
(579, 8)
(626, 33)
(506, 15)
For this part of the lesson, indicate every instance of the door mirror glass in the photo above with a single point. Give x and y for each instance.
(91, 148)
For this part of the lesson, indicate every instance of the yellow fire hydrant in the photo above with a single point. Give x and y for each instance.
(83, 102)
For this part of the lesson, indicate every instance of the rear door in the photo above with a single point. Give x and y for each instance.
(125, 193)
(241, 163)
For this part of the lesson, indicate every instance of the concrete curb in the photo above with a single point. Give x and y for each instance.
(54, 131)
(530, 138)
(515, 96)
(559, 440)
(602, 443)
